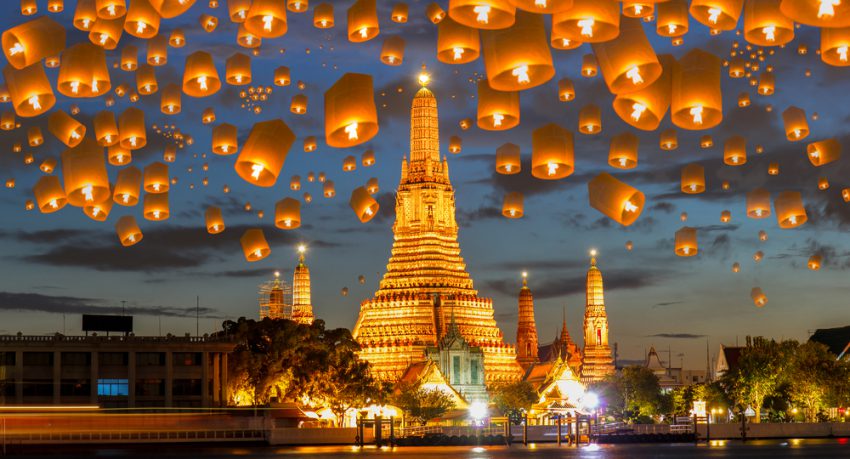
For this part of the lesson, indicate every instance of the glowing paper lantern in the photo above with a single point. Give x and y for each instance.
(29, 90)
(668, 140)
(214, 220)
(790, 212)
(142, 19)
(297, 6)
(706, 141)
(736, 267)
(310, 143)
(238, 69)
(823, 183)
(765, 25)
(83, 72)
(796, 126)
(589, 66)
(693, 179)
(758, 296)
(590, 21)
(126, 191)
(32, 41)
(758, 203)
(767, 83)
(224, 139)
(435, 13)
(823, 152)
(638, 8)
(363, 204)
(566, 90)
(128, 231)
(157, 51)
(845, 194)
(483, 14)
(457, 43)
(129, 58)
(399, 13)
(295, 183)
(238, 10)
(155, 206)
(645, 108)
(146, 79)
(543, 6)
(512, 205)
(84, 173)
(98, 211)
(686, 242)
(552, 153)
(85, 15)
(628, 62)
(518, 57)
(131, 129)
(744, 99)
(455, 144)
(717, 14)
(696, 101)
(508, 159)
(815, 261)
(392, 51)
(372, 185)
(827, 14)
(48, 165)
(107, 32)
(617, 200)
(590, 120)
(672, 20)
(497, 110)
(177, 39)
(170, 102)
(105, 128)
(834, 45)
(266, 18)
(328, 189)
(363, 21)
(7, 121)
(66, 129)
(281, 76)
(623, 153)
(368, 158)
(156, 178)
(351, 117)
(299, 105)
(735, 151)
(349, 163)
(254, 245)
(200, 78)
(49, 194)
(773, 169)
(264, 153)
(34, 136)
(246, 39)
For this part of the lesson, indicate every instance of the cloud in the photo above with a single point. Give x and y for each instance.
(667, 303)
(56, 304)
(559, 287)
(676, 336)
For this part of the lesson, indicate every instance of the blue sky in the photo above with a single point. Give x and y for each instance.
(67, 263)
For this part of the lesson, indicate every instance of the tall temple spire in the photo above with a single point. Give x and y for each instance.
(597, 361)
(526, 333)
(302, 307)
(426, 275)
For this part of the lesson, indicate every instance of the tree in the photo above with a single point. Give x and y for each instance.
(811, 373)
(633, 394)
(757, 374)
(512, 399)
(422, 404)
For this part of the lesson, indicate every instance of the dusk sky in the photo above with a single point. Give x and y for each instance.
(65, 263)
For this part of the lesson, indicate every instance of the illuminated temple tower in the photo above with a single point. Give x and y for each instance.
(526, 332)
(302, 307)
(597, 361)
(275, 299)
(426, 279)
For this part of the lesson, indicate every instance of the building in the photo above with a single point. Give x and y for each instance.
(597, 360)
(526, 333)
(461, 364)
(275, 299)
(114, 371)
(670, 377)
(302, 303)
(562, 347)
(279, 300)
(727, 358)
(426, 275)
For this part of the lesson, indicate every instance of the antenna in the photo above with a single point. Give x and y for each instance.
(197, 315)
(123, 307)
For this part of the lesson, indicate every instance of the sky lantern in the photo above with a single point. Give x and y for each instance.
(351, 117)
(834, 45)
(363, 204)
(590, 119)
(295, 183)
(767, 83)
(790, 212)
(693, 179)
(128, 231)
(588, 21)
(497, 110)
(823, 151)
(118, 155)
(177, 39)
(328, 188)
(287, 214)
(49, 194)
(214, 220)
(246, 39)
(98, 211)
(254, 245)
(512, 205)
(706, 141)
(238, 69)
(392, 51)
(435, 13)
(815, 262)
(208, 116)
(717, 14)
(131, 129)
(668, 140)
(310, 143)
(672, 18)
(845, 194)
(589, 66)
(399, 13)
(32, 41)
(566, 90)
(224, 139)
(200, 77)
(630, 245)
(155, 206)
(84, 173)
(737, 67)
(107, 32)
(266, 18)
(744, 99)
(827, 14)
(483, 14)
(628, 62)
(281, 76)
(758, 297)
(156, 178)
(264, 152)
(170, 101)
(725, 216)
(129, 58)
(765, 25)
(645, 108)
(65, 128)
(508, 159)
(323, 15)
(208, 22)
(126, 190)
(363, 21)
(158, 51)
(559, 41)
(617, 200)
(638, 8)
(457, 43)
(29, 90)
(372, 185)
(142, 19)
(543, 6)
(297, 6)
(623, 153)
(696, 101)
(762, 235)
(552, 153)
(299, 104)
(7, 121)
(83, 72)
(455, 144)
(758, 203)
(349, 163)
(146, 79)
(796, 126)
(735, 151)
(736, 267)
(686, 242)
(518, 57)
(85, 15)
(34, 136)
(238, 10)
(773, 168)
(367, 159)
(105, 128)
(110, 9)
(48, 165)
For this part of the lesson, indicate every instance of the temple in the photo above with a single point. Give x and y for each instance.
(426, 279)
(302, 306)
(597, 361)
(526, 333)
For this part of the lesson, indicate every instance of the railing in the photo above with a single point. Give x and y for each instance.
(59, 338)
(415, 431)
(125, 436)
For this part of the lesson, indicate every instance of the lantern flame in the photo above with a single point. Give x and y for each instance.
(391, 59)
(94, 87)
(497, 119)
(256, 169)
(552, 169)
(156, 214)
(714, 14)
(324, 22)
(364, 32)
(140, 27)
(792, 220)
(686, 250)
(796, 133)
(629, 207)
(826, 10)
(53, 204)
(156, 186)
(508, 168)
(634, 75)
(351, 130)
(693, 187)
(103, 38)
(75, 135)
(287, 222)
(111, 9)
(211, 23)
(815, 154)
(87, 192)
(267, 22)
(586, 27)
(125, 198)
(156, 59)
(95, 211)
(17, 48)
(131, 238)
(758, 212)
(769, 33)
(512, 212)
(565, 42)
(132, 141)
(297, 5)
(369, 211)
(671, 28)
(590, 127)
(521, 74)
(842, 53)
(624, 161)
(238, 78)
(202, 83)
(224, 148)
(34, 102)
(696, 112)
(75, 87)
(258, 253)
(483, 12)
(241, 14)
(86, 23)
(215, 227)
(637, 110)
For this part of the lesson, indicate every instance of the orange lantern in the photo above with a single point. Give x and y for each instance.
(208, 116)
(497, 110)
(693, 179)
(295, 183)
(368, 158)
(725, 216)
(328, 189)
(512, 205)
(170, 102)
(668, 140)
(118, 155)
(735, 151)
(823, 152)
(543, 6)
(483, 14)
(672, 20)
(85, 15)
(552, 153)
(323, 16)
(457, 43)
(128, 231)
(32, 41)
(589, 66)
(48, 165)
(372, 185)
(815, 262)
(281, 76)
(131, 129)
(238, 10)
(845, 194)
(264, 153)
(623, 153)
(107, 32)
(155, 207)
(717, 14)
(98, 211)
(773, 169)
(287, 214)
(696, 101)
(645, 107)
(758, 296)
(108, 9)
(736, 267)
(630, 245)
(65, 128)
(566, 90)
(392, 51)
(744, 99)
(254, 245)
(834, 43)
(49, 194)
(827, 14)
(351, 117)
(628, 62)
(299, 105)
(142, 19)
(738, 67)
(156, 178)
(297, 6)
(590, 21)
(362, 21)
(508, 159)
(399, 13)
(214, 220)
(590, 120)
(105, 128)
(266, 18)
(146, 80)
(617, 200)
(177, 39)
(686, 242)
(790, 212)
(238, 69)
(246, 39)
(765, 25)
(455, 144)
(308, 198)
(363, 204)
(34, 136)
(639, 9)
(200, 78)
(83, 72)
(170, 155)
(29, 90)
(158, 51)
(796, 126)
(758, 203)
(518, 57)
(823, 183)
(84, 172)
(310, 143)
(435, 13)
(349, 163)
(126, 192)
(767, 82)
(129, 58)
(706, 141)
(224, 139)
(7, 121)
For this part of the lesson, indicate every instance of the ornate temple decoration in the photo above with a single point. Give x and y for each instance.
(597, 361)
(302, 306)
(526, 333)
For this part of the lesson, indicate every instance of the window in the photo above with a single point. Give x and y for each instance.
(598, 336)
(150, 387)
(474, 370)
(113, 387)
(7, 387)
(33, 359)
(187, 359)
(38, 387)
(79, 359)
(456, 369)
(75, 387)
(186, 387)
(7, 359)
(113, 358)
(146, 359)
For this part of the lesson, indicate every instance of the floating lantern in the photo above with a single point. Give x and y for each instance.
(683, 216)
(590, 120)
(107, 32)
(693, 179)
(686, 242)
(266, 18)
(518, 57)
(773, 169)
(349, 163)
(299, 105)
(295, 183)
(435, 13)
(7, 121)
(264, 153)
(48, 165)
(668, 140)
(155, 206)
(725, 185)
(323, 16)
(49, 194)
(566, 91)
(823, 183)
(399, 13)
(126, 191)
(823, 152)
(497, 110)
(170, 102)
(552, 154)
(287, 214)
(363, 21)
(129, 58)
(455, 144)
(696, 101)
(173, 8)
(457, 43)
(28, 43)
(214, 220)
(758, 203)
(827, 14)
(372, 186)
(308, 198)
(628, 62)
(363, 204)
(738, 67)
(630, 245)
(200, 78)
(146, 79)
(790, 212)
(767, 83)
(156, 178)
(246, 39)
(328, 189)
(131, 129)
(128, 231)
(725, 216)
(845, 194)
(834, 43)
(508, 159)
(85, 15)
(310, 143)
(617, 200)
(796, 126)
(238, 10)
(238, 69)
(142, 20)
(83, 72)
(105, 128)
(644, 108)
(368, 158)
(736, 267)
(758, 296)
(815, 262)
(321, 177)
(589, 66)
(254, 245)
(224, 139)
(706, 141)
(84, 173)
(672, 20)
(744, 99)
(177, 39)
(157, 51)
(392, 51)
(483, 14)
(623, 153)
(34, 136)
(559, 41)
(638, 8)
(118, 155)
(29, 90)
(765, 25)
(351, 117)
(98, 211)
(512, 205)
(281, 76)
(170, 155)
(735, 151)
(66, 129)
(297, 6)
(589, 21)
(717, 14)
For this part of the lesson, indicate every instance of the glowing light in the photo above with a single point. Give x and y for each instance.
(483, 12)
(210, 23)
(86, 23)
(17, 48)
(75, 87)
(478, 410)
(238, 78)
(87, 191)
(256, 169)
(140, 27)
(714, 14)
(156, 59)
(34, 102)
(75, 135)
(302, 248)
(586, 27)
(624, 161)
(734, 159)
(111, 10)
(769, 33)
(521, 74)
(125, 198)
(565, 42)
(132, 141)
(202, 83)
(637, 111)
(103, 38)
(391, 59)
(53, 204)
(826, 8)
(351, 130)
(796, 133)
(297, 6)
(552, 169)
(638, 9)
(156, 215)
(364, 32)
(512, 212)
(842, 53)
(132, 238)
(224, 148)
(686, 250)
(287, 222)
(758, 212)
(267, 23)
(814, 154)
(324, 22)
(497, 119)
(671, 28)
(424, 78)
(628, 206)
(634, 75)
(792, 220)
(696, 112)
(147, 88)
(95, 211)
(508, 168)
(156, 186)
(590, 127)
(369, 211)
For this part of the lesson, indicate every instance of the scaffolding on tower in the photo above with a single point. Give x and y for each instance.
(275, 299)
